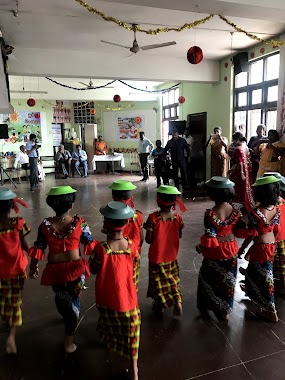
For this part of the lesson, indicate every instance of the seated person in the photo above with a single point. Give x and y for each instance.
(22, 158)
(101, 147)
(79, 157)
(63, 158)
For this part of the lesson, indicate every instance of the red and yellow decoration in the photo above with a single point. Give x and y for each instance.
(117, 98)
(181, 99)
(31, 102)
(194, 55)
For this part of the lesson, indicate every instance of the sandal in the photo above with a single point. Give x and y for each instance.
(270, 316)
(242, 271)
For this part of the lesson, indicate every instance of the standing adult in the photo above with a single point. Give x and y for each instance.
(190, 141)
(32, 151)
(159, 156)
(219, 150)
(177, 145)
(241, 174)
(144, 149)
(79, 156)
(270, 153)
(260, 132)
(63, 158)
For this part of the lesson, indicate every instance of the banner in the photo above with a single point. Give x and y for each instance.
(130, 127)
(21, 124)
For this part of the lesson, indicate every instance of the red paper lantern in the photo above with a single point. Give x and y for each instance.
(194, 55)
(181, 99)
(31, 102)
(117, 98)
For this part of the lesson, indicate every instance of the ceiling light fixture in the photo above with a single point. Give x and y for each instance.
(16, 12)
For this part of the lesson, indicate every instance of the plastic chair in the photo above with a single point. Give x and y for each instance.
(134, 161)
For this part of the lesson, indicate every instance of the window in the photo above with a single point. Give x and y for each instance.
(256, 95)
(170, 109)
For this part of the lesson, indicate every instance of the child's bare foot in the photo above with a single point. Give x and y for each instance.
(11, 347)
(177, 310)
(69, 346)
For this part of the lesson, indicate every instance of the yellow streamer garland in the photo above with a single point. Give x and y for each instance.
(115, 109)
(274, 43)
(127, 26)
(192, 25)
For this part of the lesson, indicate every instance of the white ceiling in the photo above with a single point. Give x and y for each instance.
(66, 27)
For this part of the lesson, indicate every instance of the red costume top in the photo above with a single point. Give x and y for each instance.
(214, 226)
(165, 237)
(13, 259)
(114, 286)
(259, 225)
(133, 228)
(281, 235)
(59, 242)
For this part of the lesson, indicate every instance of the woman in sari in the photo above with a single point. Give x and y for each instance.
(270, 151)
(219, 149)
(241, 174)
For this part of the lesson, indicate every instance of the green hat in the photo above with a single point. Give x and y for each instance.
(282, 183)
(219, 182)
(122, 185)
(265, 180)
(165, 189)
(6, 194)
(275, 174)
(61, 190)
(117, 210)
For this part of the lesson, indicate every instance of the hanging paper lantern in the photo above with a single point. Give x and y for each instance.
(93, 111)
(31, 102)
(117, 98)
(194, 55)
(181, 99)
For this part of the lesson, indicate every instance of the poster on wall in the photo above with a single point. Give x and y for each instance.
(21, 124)
(130, 127)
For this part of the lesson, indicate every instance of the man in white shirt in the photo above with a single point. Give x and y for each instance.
(79, 157)
(22, 158)
(144, 149)
(63, 157)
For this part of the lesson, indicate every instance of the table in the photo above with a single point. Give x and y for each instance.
(118, 157)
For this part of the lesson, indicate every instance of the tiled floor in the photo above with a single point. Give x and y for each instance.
(190, 348)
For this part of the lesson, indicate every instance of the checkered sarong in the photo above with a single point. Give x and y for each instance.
(11, 300)
(120, 331)
(279, 262)
(136, 275)
(164, 283)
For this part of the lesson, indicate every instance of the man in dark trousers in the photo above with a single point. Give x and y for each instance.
(144, 149)
(32, 151)
(177, 145)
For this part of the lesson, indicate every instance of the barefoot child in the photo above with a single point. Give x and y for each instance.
(217, 276)
(66, 270)
(116, 296)
(13, 263)
(263, 228)
(121, 192)
(164, 229)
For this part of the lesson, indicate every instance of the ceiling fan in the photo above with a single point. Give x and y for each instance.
(136, 48)
(91, 85)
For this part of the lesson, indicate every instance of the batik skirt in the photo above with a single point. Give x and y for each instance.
(259, 285)
(163, 284)
(216, 285)
(67, 300)
(120, 331)
(279, 263)
(11, 300)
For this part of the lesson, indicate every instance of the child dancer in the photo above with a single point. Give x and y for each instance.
(116, 295)
(121, 192)
(13, 263)
(66, 270)
(164, 229)
(263, 227)
(217, 276)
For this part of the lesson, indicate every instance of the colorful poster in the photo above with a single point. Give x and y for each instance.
(130, 127)
(21, 124)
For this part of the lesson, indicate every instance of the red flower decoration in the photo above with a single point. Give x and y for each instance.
(181, 99)
(226, 64)
(31, 102)
(117, 98)
(194, 55)
(252, 55)
(262, 50)
(93, 111)
(225, 79)
(37, 115)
